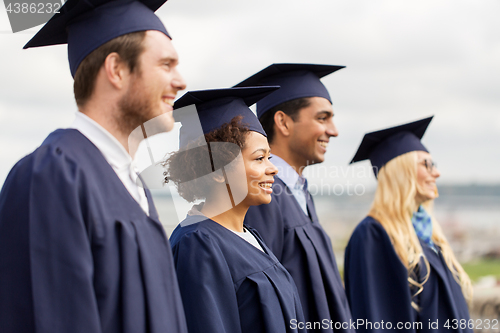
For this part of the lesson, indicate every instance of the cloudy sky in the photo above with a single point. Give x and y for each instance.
(405, 60)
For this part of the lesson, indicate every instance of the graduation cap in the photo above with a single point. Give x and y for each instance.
(216, 107)
(87, 24)
(382, 146)
(295, 80)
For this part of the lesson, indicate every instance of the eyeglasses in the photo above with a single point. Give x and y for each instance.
(429, 165)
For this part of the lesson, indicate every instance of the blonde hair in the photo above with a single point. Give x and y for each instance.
(393, 207)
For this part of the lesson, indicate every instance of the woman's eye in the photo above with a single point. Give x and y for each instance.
(260, 158)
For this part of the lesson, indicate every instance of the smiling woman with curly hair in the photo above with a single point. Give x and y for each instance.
(230, 281)
(188, 166)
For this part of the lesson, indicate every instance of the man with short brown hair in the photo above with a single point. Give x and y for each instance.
(81, 247)
(298, 119)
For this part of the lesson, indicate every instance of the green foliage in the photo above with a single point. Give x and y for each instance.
(482, 267)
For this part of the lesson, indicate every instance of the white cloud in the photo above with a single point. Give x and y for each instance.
(405, 60)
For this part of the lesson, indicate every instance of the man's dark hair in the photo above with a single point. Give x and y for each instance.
(290, 108)
(129, 47)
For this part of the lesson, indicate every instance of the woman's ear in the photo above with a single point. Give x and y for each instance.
(219, 178)
(283, 122)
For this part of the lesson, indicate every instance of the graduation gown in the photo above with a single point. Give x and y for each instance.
(377, 285)
(77, 252)
(228, 285)
(303, 247)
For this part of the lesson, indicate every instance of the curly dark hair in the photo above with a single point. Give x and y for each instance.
(290, 108)
(186, 167)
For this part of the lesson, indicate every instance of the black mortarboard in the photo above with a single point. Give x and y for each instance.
(382, 146)
(216, 107)
(295, 81)
(87, 24)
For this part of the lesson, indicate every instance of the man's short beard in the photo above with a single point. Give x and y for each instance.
(135, 108)
(138, 107)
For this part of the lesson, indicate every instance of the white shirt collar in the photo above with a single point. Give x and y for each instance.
(286, 173)
(114, 153)
(292, 180)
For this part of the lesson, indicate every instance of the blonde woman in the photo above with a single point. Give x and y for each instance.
(400, 272)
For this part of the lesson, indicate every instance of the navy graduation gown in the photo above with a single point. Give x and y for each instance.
(304, 248)
(77, 252)
(228, 285)
(377, 285)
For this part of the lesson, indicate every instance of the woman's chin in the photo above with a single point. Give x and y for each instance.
(430, 197)
(263, 200)
(422, 199)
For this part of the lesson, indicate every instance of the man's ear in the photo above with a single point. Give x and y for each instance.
(116, 70)
(283, 123)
